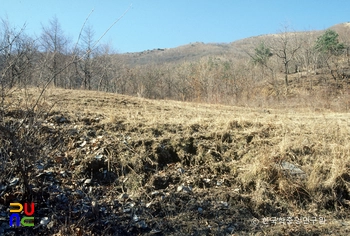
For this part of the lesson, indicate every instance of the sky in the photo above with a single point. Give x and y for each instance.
(150, 24)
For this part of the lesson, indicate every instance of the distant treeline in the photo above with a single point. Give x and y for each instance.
(277, 67)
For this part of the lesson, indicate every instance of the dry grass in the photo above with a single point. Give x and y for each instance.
(229, 154)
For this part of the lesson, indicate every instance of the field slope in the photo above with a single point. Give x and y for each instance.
(107, 164)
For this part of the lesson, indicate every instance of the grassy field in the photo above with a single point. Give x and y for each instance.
(108, 164)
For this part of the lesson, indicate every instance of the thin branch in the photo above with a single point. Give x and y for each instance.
(81, 30)
(72, 61)
(112, 26)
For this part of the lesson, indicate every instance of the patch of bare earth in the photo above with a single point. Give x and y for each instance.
(106, 164)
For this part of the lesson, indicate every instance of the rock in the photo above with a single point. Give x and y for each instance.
(44, 221)
(61, 119)
(124, 196)
(141, 224)
(91, 133)
(14, 181)
(87, 182)
(291, 169)
(200, 210)
(181, 170)
(83, 144)
(95, 208)
(72, 132)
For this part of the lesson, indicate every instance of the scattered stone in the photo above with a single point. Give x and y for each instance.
(61, 119)
(83, 144)
(87, 182)
(72, 132)
(44, 221)
(172, 173)
(206, 181)
(14, 181)
(124, 196)
(181, 170)
(292, 170)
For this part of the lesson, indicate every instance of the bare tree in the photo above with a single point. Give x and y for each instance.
(307, 57)
(285, 46)
(107, 68)
(15, 60)
(88, 49)
(54, 43)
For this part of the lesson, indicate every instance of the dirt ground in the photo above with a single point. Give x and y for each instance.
(107, 164)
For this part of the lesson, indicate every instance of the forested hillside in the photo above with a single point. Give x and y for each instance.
(258, 71)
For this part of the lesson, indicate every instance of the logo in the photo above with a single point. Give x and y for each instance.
(27, 220)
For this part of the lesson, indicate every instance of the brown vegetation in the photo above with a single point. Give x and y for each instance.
(230, 141)
(110, 164)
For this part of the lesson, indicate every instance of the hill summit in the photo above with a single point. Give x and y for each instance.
(234, 50)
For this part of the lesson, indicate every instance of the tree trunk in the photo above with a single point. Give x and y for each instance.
(286, 74)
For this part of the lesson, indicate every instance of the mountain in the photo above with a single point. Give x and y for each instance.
(188, 52)
(231, 51)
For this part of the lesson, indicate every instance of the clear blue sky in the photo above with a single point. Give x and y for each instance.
(153, 24)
